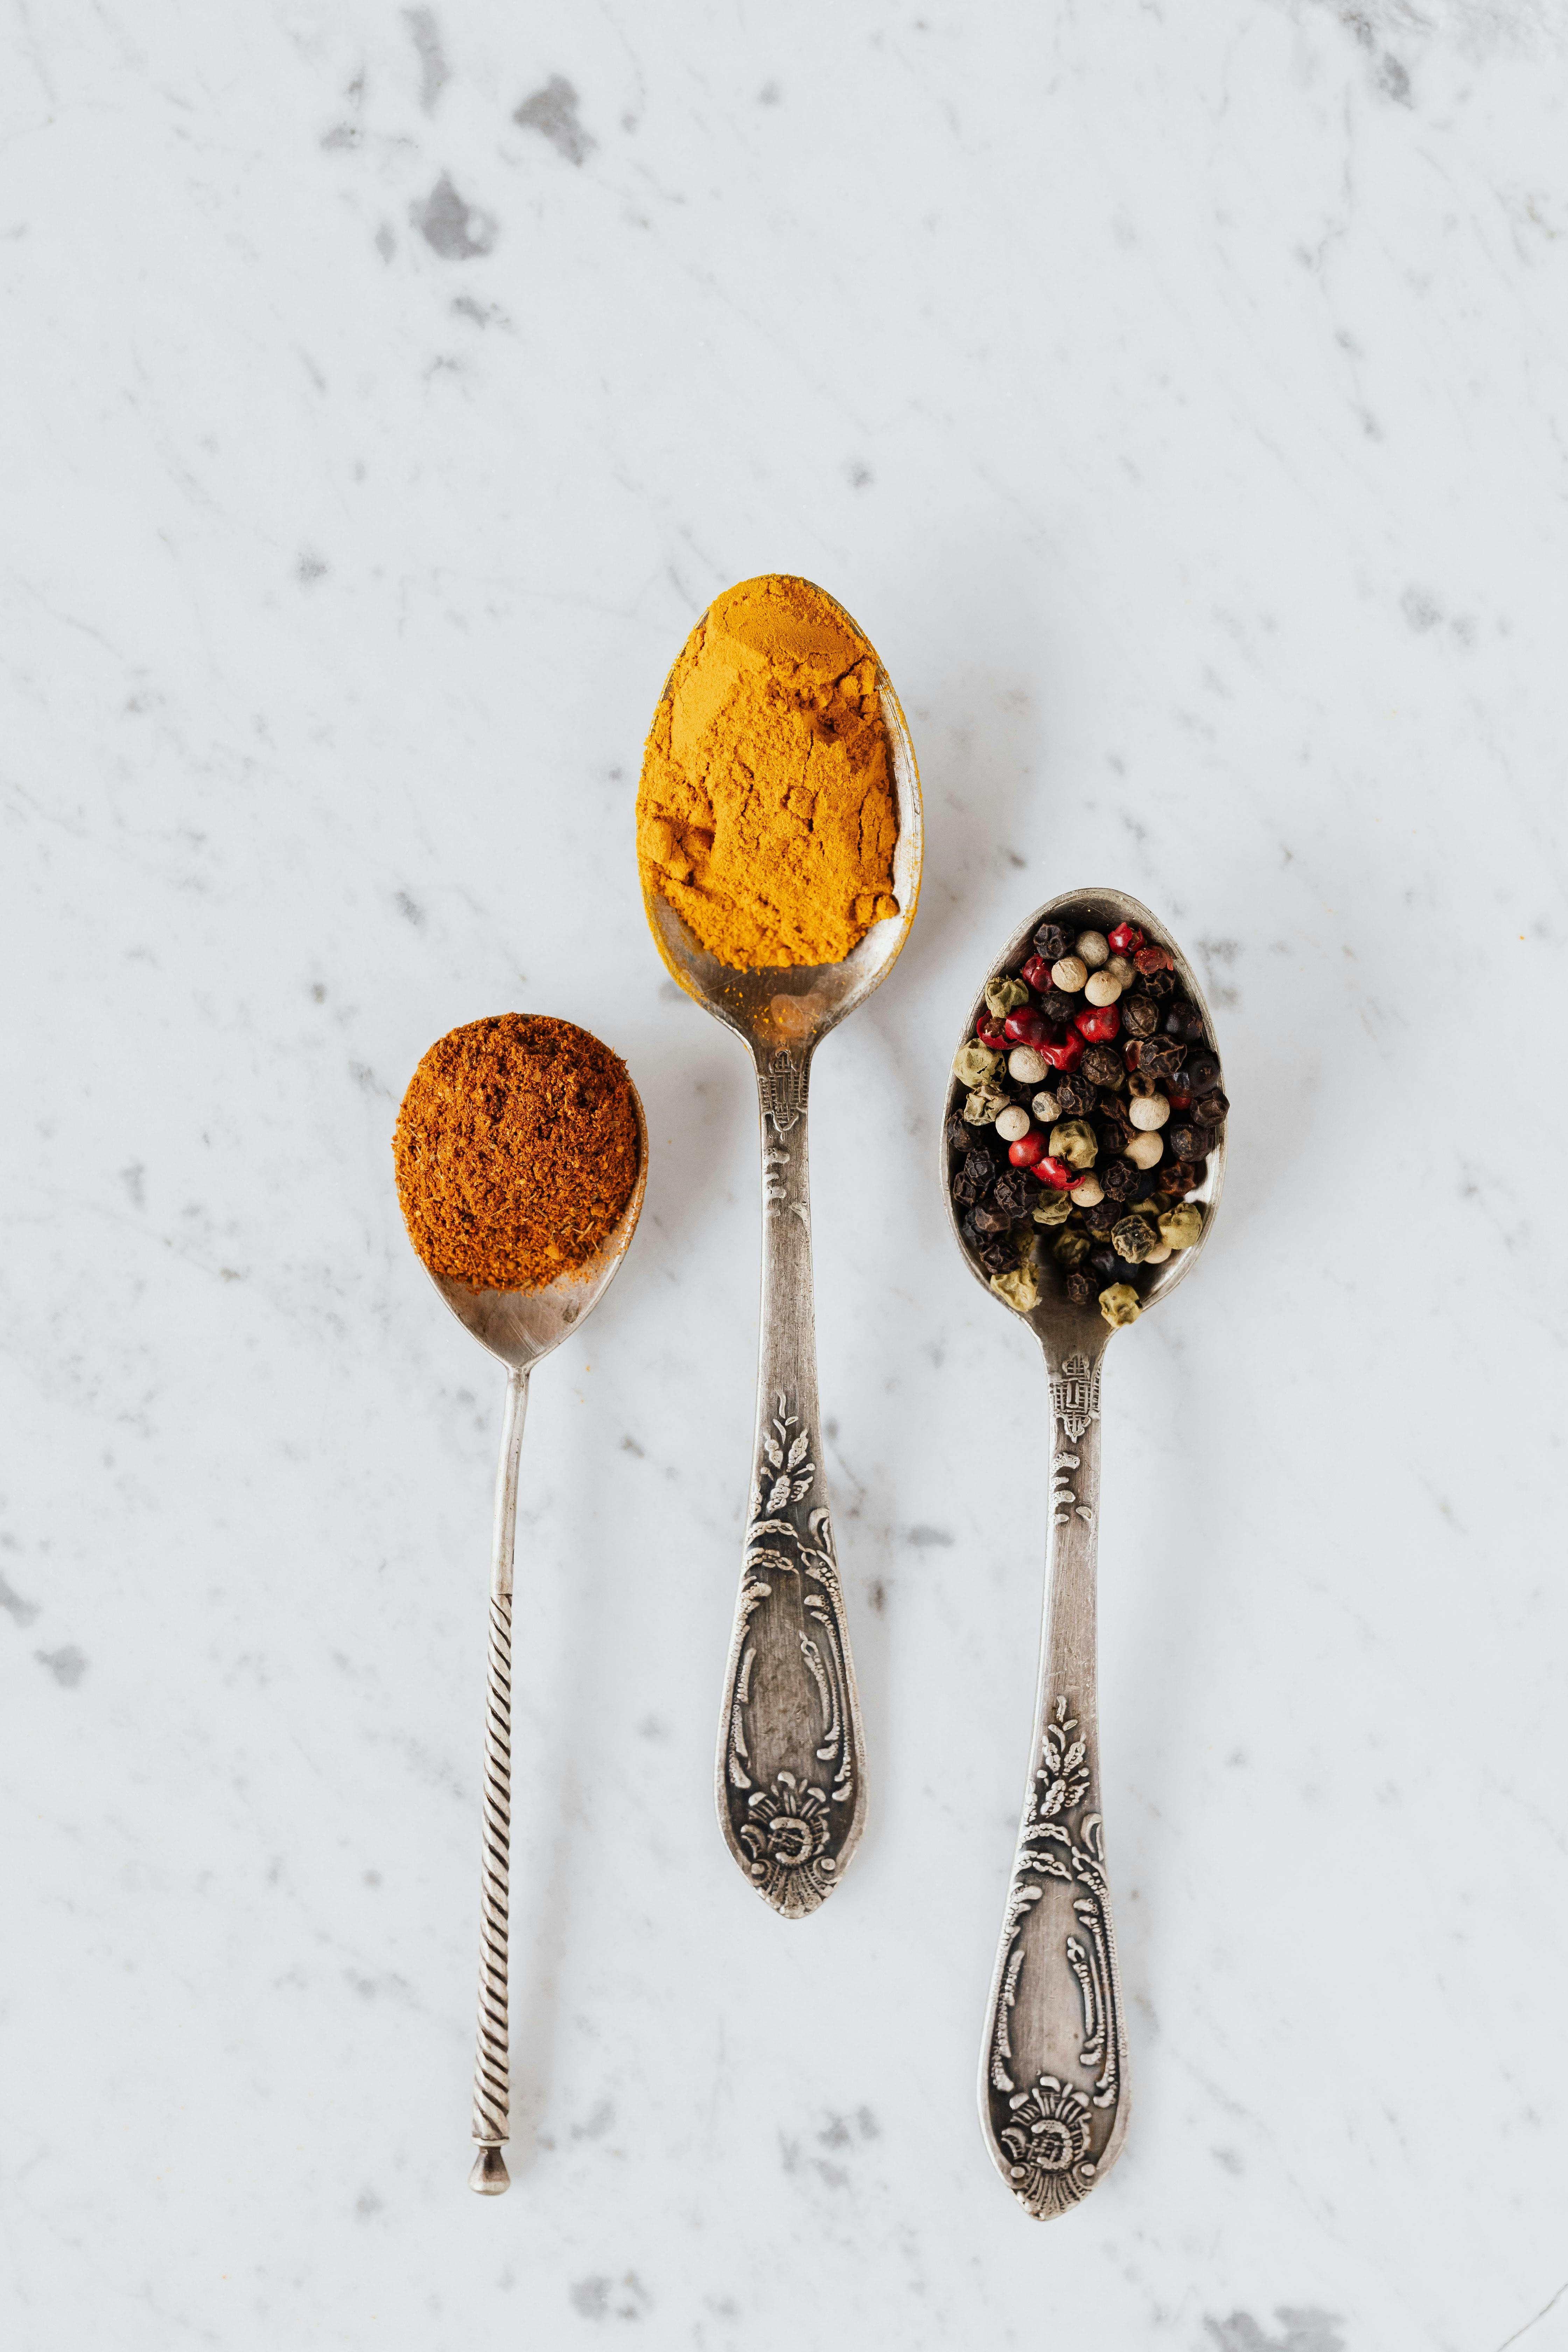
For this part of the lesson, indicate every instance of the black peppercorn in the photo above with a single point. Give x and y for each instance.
(1103, 1216)
(1184, 1021)
(1146, 1186)
(1052, 942)
(1060, 1008)
(974, 1179)
(1107, 1265)
(990, 1219)
(1159, 985)
(1210, 1108)
(1197, 1168)
(1076, 1097)
(1103, 1067)
(1203, 1071)
(1079, 1288)
(1160, 1058)
(1112, 1108)
(1015, 1193)
(958, 1134)
(1173, 1179)
(997, 1256)
(1185, 1142)
(1139, 1015)
(1117, 1179)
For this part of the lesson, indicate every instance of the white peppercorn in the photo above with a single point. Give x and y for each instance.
(1093, 948)
(1069, 975)
(1028, 1067)
(1148, 1111)
(1047, 1108)
(1102, 988)
(1122, 969)
(1087, 1193)
(1145, 1151)
(1013, 1123)
(1158, 1254)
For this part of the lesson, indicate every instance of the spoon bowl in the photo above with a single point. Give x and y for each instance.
(1053, 2075)
(520, 1327)
(790, 1778)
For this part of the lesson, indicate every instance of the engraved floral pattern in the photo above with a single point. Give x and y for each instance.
(785, 1834)
(1047, 2142)
(1062, 1780)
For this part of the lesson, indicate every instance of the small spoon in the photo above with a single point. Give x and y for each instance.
(1053, 2071)
(520, 1327)
(791, 1782)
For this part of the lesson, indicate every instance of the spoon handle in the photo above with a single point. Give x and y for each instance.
(492, 2080)
(791, 1778)
(1053, 2096)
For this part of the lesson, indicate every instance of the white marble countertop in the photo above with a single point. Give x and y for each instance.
(1176, 397)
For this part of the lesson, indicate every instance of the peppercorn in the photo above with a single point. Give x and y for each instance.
(1100, 1025)
(974, 1064)
(1120, 968)
(1145, 1150)
(1101, 1064)
(1054, 1172)
(1183, 1019)
(1024, 1027)
(1051, 942)
(1052, 1208)
(1140, 1014)
(1001, 994)
(1068, 973)
(1021, 1288)
(1111, 1107)
(975, 1176)
(1158, 1254)
(1047, 1107)
(1058, 1007)
(1126, 939)
(1159, 985)
(1185, 1142)
(1144, 1185)
(1118, 1176)
(990, 1219)
(1148, 1112)
(1197, 1170)
(1210, 1108)
(1203, 1071)
(1013, 1122)
(1028, 1067)
(1100, 1218)
(1160, 1058)
(1075, 1097)
(955, 1134)
(1037, 973)
(1133, 1239)
(1085, 1195)
(1106, 1263)
(1070, 1053)
(996, 1256)
(1073, 1139)
(1093, 948)
(1174, 1178)
(1078, 1289)
(1152, 959)
(1026, 1150)
(989, 1031)
(1102, 988)
(1183, 1226)
(1016, 1191)
(983, 1105)
(1118, 1305)
(1072, 1249)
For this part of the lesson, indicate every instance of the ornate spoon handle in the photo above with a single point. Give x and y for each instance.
(791, 1783)
(1053, 2096)
(492, 2082)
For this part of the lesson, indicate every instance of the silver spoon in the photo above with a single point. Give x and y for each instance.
(1053, 2070)
(520, 1327)
(791, 1769)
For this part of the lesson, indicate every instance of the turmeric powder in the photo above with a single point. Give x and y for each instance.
(767, 815)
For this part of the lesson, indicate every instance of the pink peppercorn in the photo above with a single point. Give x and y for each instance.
(1100, 1025)
(1154, 960)
(1025, 1027)
(1056, 1173)
(1028, 1150)
(1124, 939)
(1036, 972)
(1066, 1057)
(988, 1032)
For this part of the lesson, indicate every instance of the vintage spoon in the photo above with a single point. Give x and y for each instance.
(1053, 2071)
(520, 1327)
(791, 1770)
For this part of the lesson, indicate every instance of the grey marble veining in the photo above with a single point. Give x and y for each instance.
(1176, 399)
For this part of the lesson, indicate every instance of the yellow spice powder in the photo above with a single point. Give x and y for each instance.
(767, 815)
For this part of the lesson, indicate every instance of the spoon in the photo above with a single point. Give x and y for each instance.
(1053, 2070)
(520, 1327)
(791, 1782)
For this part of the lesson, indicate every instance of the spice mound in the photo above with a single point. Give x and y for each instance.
(1088, 1102)
(767, 815)
(516, 1150)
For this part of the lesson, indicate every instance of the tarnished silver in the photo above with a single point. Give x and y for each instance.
(791, 1779)
(520, 1327)
(1053, 2075)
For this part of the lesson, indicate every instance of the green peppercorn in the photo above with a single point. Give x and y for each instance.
(1133, 1239)
(1021, 1289)
(1074, 1140)
(1118, 1305)
(1055, 1209)
(1003, 995)
(974, 1064)
(984, 1103)
(1072, 1249)
(1183, 1226)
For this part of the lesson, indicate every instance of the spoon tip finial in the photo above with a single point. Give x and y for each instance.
(489, 2177)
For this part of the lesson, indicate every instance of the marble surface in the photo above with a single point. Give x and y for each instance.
(1177, 399)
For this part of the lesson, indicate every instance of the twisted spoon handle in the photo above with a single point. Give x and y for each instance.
(790, 1776)
(489, 2177)
(1053, 2096)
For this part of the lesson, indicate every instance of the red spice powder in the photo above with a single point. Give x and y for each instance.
(516, 1149)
